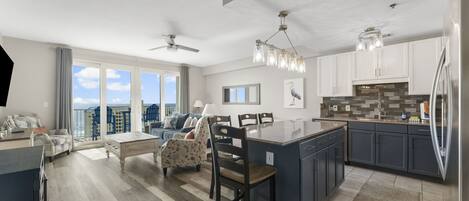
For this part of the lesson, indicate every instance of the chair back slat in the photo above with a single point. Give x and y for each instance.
(247, 119)
(266, 118)
(230, 149)
(224, 120)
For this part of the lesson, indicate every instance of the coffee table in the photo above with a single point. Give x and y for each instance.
(131, 144)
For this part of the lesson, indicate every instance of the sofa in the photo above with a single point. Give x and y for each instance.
(157, 129)
(181, 152)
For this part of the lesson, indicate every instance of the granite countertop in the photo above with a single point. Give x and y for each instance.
(287, 132)
(20, 159)
(386, 121)
(15, 136)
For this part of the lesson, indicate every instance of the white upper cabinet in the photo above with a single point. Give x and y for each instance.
(344, 86)
(393, 61)
(334, 75)
(326, 79)
(365, 66)
(423, 61)
(383, 65)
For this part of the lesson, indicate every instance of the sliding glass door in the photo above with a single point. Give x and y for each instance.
(118, 97)
(151, 98)
(110, 99)
(86, 102)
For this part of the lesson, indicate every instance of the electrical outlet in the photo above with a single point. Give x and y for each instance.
(347, 108)
(269, 158)
(335, 108)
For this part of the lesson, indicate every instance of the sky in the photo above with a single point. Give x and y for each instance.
(86, 87)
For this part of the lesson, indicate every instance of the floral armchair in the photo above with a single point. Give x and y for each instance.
(180, 152)
(55, 142)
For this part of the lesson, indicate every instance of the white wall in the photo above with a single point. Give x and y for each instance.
(33, 80)
(271, 80)
(196, 86)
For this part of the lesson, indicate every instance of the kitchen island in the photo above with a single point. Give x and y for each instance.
(308, 157)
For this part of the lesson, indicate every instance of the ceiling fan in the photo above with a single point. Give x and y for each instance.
(172, 46)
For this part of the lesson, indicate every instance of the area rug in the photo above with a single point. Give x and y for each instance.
(376, 192)
(95, 154)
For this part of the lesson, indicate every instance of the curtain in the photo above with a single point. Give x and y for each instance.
(63, 105)
(184, 88)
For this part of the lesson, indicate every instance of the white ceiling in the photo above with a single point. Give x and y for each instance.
(221, 33)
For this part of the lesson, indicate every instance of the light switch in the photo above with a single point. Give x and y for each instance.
(269, 158)
(45, 104)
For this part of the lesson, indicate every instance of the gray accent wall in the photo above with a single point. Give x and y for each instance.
(271, 89)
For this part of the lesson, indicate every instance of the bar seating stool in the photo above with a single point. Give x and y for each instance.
(222, 120)
(238, 174)
(266, 118)
(247, 119)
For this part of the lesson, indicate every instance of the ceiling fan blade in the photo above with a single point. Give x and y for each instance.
(187, 48)
(226, 2)
(157, 48)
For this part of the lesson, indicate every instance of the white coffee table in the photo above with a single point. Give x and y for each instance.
(131, 144)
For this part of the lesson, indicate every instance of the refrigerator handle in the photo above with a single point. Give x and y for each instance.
(433, 127)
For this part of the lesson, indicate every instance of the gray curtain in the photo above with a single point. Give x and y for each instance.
(185, 88)
(63, 104)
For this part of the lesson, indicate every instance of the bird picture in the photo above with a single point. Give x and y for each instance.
(293, 93)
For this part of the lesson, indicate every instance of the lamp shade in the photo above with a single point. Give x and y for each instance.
(198, 104)
(210, 110)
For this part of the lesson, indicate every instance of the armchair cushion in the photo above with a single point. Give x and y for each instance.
(54, 142)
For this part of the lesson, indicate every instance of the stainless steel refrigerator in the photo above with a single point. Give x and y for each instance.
(449, 103)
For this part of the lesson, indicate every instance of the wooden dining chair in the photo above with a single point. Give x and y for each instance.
(223, 120)
(265, 118)
(247, 119)
(239, 174)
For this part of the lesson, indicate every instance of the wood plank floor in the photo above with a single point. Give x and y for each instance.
(88, 175)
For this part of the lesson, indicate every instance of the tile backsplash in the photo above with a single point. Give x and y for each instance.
(394, 100)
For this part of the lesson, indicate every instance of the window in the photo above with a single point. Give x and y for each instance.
(151, 99)
(86, 103)
(127, 98)
(118, 95)
(171, 84)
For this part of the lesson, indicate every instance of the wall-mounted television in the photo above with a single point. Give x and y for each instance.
(6, 69)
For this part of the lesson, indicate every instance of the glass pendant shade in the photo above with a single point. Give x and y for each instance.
(258, 56)
(293, 63)
(283, 60)
(271, 57)
(301, 65)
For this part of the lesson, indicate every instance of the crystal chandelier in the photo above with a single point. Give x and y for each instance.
(270, 55)
(370, 39)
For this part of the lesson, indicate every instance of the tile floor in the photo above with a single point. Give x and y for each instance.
(356, 177)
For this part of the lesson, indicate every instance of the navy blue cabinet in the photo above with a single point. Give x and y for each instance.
(322, 170)
(362, 146)
(421, 156)
(391, 150)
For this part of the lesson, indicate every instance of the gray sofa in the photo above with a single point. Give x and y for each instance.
(165, 134)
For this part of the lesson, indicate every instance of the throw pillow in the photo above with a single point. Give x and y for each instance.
(190, 135)
(167, 123)
(173, 121)
(21, 122)
(194, 122)
(187, 123)
(181, 119)
(32, 122)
